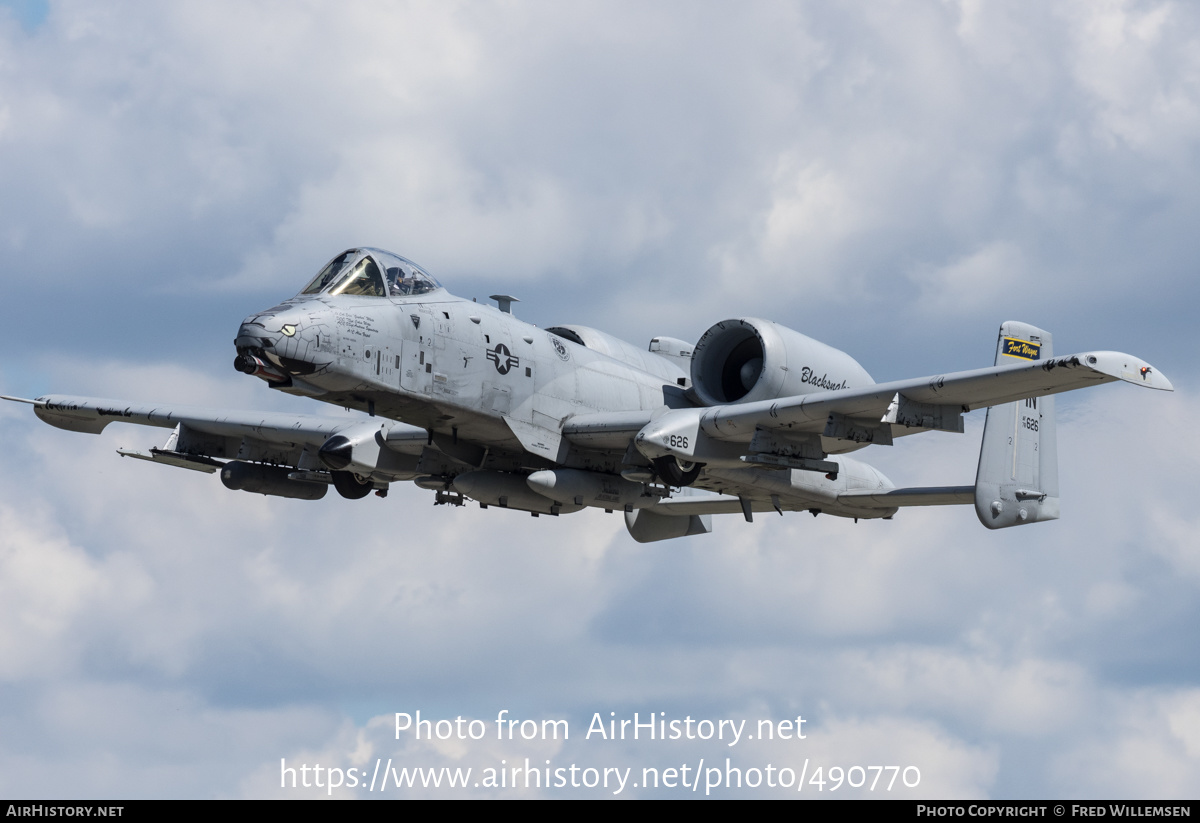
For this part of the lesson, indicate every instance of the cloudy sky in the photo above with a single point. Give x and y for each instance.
(895, 179)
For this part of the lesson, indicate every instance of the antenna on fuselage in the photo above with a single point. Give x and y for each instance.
(504, 302)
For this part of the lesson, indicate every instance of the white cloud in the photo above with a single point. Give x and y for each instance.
(973, 282)
(46, 585)
(1144, 750)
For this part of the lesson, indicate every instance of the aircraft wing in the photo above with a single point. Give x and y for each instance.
(93, 414)
(847, 419)
(202, 434)
(934, 396)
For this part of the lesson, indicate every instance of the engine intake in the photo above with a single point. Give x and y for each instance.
(746, 359)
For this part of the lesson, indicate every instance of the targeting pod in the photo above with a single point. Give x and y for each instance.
(508, 491)
(273, 480)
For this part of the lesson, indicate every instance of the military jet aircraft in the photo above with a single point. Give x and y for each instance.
(469, 402)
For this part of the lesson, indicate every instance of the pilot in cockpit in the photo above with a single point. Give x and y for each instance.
(398, 284)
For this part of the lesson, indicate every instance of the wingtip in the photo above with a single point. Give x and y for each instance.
(1128, 368)
(1146, 375)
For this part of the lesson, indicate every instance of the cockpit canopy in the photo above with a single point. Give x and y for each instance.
(371, 273)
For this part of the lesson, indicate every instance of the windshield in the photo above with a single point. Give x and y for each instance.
(372, 273)
(363, 279)
(327, 274)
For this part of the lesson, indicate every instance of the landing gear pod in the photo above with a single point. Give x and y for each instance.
(355, 448)
(349, 485)
(676, 472)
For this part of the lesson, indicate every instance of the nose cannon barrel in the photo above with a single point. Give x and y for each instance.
(247, 363)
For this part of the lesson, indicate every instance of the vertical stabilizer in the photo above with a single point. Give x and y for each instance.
(1017, 481)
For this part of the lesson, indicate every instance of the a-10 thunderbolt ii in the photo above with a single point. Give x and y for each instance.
(468, 401)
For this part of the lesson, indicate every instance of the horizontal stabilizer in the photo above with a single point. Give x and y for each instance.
(902, 498)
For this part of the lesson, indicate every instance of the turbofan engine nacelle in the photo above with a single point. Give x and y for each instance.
(747, 359)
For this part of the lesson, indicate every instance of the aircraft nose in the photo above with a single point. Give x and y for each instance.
(265, 330)
(252, 336)
(257, 349)
(284, 339)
